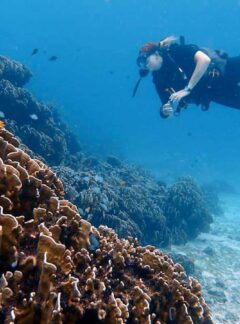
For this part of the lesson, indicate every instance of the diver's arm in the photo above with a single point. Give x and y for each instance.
(202, 63)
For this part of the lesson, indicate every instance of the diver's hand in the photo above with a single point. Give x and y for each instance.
(166, 110)
(176, 97)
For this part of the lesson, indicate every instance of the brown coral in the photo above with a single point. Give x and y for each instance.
(51, 272)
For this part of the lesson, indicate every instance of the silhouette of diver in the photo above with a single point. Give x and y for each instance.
(185, 73)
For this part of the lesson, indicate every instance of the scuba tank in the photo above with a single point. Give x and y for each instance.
(218, 60)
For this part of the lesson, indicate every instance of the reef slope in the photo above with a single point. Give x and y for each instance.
(57, 268)
(110, 191)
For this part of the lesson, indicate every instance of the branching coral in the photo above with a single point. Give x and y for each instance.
(51, 274)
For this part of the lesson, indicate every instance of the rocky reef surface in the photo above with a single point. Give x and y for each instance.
(36, 123)
(106, 192)
(216, 257)
(132, 202)
(58, 268)
(17, 73)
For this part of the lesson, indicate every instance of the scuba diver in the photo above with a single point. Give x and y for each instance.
(185, 73)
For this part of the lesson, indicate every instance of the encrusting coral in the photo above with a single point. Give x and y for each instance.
(58, 268)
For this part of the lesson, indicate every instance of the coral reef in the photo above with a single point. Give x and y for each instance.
(15, 72)
(185, 210)
(57, 268)
(133, 203)
(186, 261)
(37, 124)
(103, 197)
(110, 192)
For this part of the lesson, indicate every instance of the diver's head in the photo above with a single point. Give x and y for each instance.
(152, 54)
(149, 58)
(154, 62)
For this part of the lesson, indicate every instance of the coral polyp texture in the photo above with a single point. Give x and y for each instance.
(57, 268)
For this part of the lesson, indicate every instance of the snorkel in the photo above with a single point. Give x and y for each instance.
(142, 73)
(144, 53)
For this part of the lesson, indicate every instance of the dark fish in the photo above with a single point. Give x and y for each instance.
(35, 51)
(189, 134)
(111, 72)
(52, 58)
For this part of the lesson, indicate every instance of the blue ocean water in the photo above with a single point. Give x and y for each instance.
(96, 42)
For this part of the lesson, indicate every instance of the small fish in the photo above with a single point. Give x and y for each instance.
(52, 58)
(98, 178)
(1, 124)
(2, 115)
(122, 183)
(35, 51)
(189, 134)
(94, 243)
(33, 116)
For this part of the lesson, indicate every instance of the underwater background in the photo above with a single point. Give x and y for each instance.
(93, 45)
(91, 81)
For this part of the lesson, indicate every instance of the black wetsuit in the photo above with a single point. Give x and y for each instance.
(220, 84)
